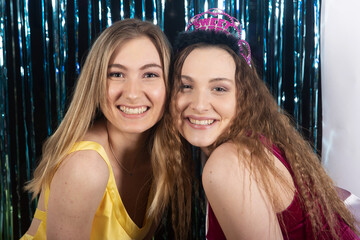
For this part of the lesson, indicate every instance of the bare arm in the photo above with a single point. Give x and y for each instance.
(75, 194)
(242, 209)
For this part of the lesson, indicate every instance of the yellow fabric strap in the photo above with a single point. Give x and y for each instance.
(41, 215)
(27, 237)
(90, 145)
(47, 192)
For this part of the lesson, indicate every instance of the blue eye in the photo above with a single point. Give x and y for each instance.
(116, 75)
(220, 89)
(185, 86)
(150, 75)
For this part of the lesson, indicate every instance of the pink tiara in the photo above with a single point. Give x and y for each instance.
(223, 25)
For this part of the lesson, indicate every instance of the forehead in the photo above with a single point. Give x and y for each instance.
(140, 50)
(210, 62)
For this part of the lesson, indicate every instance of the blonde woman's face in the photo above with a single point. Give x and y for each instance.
(207, 100)
(136, 88)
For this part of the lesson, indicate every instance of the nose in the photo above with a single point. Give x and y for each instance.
(132, 89)
(200, 101)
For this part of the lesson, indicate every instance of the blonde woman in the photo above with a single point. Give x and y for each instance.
(101, 175)
(262, 180)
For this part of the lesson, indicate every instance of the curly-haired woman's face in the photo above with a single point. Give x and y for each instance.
(207, 100)
(136, 86)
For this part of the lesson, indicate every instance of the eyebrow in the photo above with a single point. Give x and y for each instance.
(150, 65)
(217, 79)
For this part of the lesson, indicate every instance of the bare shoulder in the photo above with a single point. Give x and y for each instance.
(234, 195)
(224, 151)
(76, 191)
(84, 164)
(83, 173)
(223, 161)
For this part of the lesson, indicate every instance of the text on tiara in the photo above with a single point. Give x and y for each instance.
(212, 23)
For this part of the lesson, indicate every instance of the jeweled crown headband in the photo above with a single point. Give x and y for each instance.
(202, 22)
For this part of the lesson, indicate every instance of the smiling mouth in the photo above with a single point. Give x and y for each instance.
(133, 111)
(201, 122)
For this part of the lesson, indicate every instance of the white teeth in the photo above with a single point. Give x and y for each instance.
(201, 122)
(133, 110)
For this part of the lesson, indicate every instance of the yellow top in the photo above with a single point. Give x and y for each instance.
(111, 220)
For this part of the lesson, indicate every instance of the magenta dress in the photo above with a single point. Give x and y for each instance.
(297, 223)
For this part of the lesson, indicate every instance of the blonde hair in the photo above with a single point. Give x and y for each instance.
(257, 114)
(90, 93)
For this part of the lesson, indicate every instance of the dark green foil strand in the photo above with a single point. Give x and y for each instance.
(6, 218)
(43, 44)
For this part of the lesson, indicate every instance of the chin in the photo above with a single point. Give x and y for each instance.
(202, 143)
(137, 129)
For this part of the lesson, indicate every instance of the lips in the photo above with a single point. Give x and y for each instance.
(203, 122)
(133, 110)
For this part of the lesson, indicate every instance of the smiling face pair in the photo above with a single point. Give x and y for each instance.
(205, 103)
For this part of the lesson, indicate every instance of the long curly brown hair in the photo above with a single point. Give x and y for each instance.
(258, 114)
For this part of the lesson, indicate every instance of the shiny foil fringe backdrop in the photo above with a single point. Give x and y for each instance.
(43, 44)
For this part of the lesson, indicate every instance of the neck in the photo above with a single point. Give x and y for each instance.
(203, 157)
(205, 152)
(130, 149)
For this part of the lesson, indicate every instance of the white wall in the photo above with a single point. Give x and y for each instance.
(340, 76)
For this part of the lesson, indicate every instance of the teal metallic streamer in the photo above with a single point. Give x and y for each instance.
(276, 31)
(59, 49)
(143, 7)
(30, 100)
(132, 8)
(162, 11)
(90, 20)
(279, 51)
(315, 76)
(108, 13)
(63, 56)
(159, 7)
(16, 161)
(6, 218)
(46, 52)
(76, 40)
(122, 9)
(245, 28)
(202, 5)
(273, 43)
(228, 6)
(273, 48)
(8, 191)
(265, 26)
(100, 14)
(55, 54)
(237, 9)
(154, 12)
(25, 70)
(241, 15)
(299, 58)
(188, 12)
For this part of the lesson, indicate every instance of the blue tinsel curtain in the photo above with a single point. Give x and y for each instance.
(43, 44)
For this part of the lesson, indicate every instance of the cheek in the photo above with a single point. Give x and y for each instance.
(177, 110)
(180, 103)
(228, 110)
(158, 95)
(232, 111)
(112, 91)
